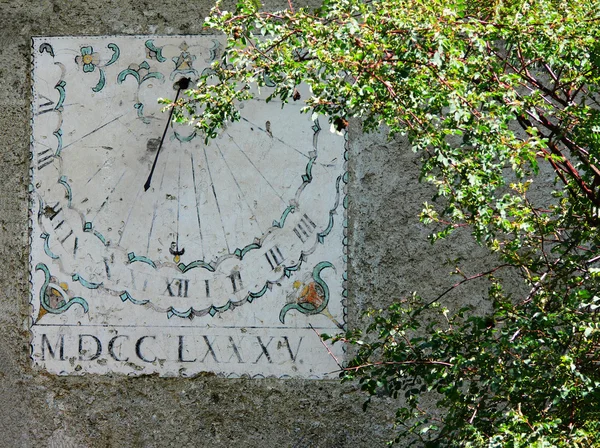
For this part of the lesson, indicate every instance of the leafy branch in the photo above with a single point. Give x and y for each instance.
(494, 96)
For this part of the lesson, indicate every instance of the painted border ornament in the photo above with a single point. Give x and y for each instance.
(232, 262)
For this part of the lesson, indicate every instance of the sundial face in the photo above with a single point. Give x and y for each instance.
(232, 261)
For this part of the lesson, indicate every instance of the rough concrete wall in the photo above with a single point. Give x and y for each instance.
(389, 258)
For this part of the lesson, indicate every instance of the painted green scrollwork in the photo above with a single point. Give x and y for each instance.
(141, 72)
(286, 212)
(268, 81)
(85, 283)
(60, 88)
(101, 82)
(208, 71)
(100, 237)
(213, 310)
(125, 296)
(184, 139)
(316, 127)
(140, 112)
(195, 264)
(133, 258)
(307, 177)
(59, 141)
(321, 235)
(116, 54)
(54, 297)
(241, 252)
(46, 47)
(46, 237)
(214, 51)
(153, 52)
(288, 271)
(68, 192)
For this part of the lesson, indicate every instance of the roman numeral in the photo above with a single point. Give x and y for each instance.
(263, 350)
(66, 237)
(236, 281)
(107, 268)
(304, 228)
(46, 107)
(44, 159)
(293, 356)
(51, 212)
(274, 257)
(236, 348)
(178, 287)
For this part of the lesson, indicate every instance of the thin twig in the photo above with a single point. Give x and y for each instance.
(593, 260)
(400, 363)
(326, 348)
(457, 284)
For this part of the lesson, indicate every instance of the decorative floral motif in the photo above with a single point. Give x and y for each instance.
(184, 63)
(88, 59)
(55, 297)
(141, 72)
(309, 293)
(310, 296)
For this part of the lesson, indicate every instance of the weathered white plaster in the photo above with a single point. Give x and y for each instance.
(231, 262)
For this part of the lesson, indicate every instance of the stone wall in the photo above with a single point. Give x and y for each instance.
(389, 257)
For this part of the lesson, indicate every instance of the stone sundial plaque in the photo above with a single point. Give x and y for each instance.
(232, 261)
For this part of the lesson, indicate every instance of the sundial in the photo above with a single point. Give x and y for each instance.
(153, 252)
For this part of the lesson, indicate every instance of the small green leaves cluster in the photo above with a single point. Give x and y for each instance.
(524, 375)
(501, 100)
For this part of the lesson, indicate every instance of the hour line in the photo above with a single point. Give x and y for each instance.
(178, 204)
(256, 168)
(212, 184)
(109, 195)
(197, 207)
(239, 188)
(132, 279)
(151, 229)
(96, 173)
(278, 139)
(92, 132)
(165, 165)
(129, 215)
(46, 105)
(155, 211)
